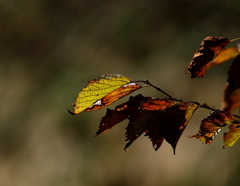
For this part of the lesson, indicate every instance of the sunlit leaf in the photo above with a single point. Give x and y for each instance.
(209, 49)
(103, 91)
(231, 137)
(225, 55)
(212, 125)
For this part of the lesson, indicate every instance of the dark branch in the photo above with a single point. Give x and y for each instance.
(157, 88)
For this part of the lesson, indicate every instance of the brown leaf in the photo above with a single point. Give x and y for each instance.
(120, 113)
(160, 118)
(233, 76)
(174, 120)
(148, 114)
(212, 125)
(230, 101)
(139, 122)
(209, 49)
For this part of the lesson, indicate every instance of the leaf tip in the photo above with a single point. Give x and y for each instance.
(70, 112)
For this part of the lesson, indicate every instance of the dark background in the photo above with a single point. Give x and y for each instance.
(49, 50)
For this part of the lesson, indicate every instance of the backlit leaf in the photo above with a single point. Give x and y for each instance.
(209, 49)
(231, 137)
(225, 55)
(212, 125)
(103, 91)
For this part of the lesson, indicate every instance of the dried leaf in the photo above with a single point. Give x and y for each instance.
(148, 113)
(209, 49)
(159, 119)
(175, 120)
(212, 125)
(120, 113)
(230, 101)
(231, 137)
(233, 76)
(103, 91)
(139, 122)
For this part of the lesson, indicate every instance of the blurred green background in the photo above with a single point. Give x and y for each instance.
(49, 50)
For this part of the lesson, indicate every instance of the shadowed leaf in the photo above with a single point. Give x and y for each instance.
(103, 91)
(148, 114)
(209, 49)
(173, 126)
(120, 113)
(159, 119)
(233, 77)
(212, 125)
(230, 102)
(139, 122)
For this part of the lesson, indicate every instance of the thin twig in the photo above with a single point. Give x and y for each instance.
(157, 88)
(234, 39)
(204, 105)
(216, 110)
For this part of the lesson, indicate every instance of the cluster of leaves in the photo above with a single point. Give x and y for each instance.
(166, 118)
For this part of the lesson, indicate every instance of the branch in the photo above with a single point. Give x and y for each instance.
(157, 88)
(204, 105)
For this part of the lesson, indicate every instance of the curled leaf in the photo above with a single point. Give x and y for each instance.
(209, 50)
(103, 91)
(212, 125)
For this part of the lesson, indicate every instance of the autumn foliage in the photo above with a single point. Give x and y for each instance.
(166, 118)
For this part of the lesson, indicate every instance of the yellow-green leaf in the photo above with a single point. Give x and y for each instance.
(225, 55)
(103, 91)
(231, 137)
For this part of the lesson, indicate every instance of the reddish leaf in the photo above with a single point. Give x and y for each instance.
(212, 125)
(120, 113)
(142, 121)
(155, 118)
(233, 76)
(169, 127)
(230, 101)
(209, 49)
